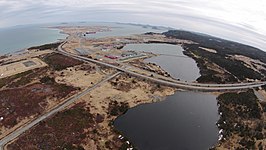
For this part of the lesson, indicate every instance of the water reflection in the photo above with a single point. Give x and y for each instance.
(185, 121)
(172, 60)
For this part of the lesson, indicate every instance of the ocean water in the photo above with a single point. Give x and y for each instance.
(18, 38)
(120, 29)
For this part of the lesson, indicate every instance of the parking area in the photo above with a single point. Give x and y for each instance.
(20, 66)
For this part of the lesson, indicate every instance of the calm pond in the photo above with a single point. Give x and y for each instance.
(185, 121)
(172, 60)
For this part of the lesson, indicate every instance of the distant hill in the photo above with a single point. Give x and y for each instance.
(224, 50)
(223, 47)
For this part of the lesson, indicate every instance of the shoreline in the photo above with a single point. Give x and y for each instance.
(119, 90)
(24, 49)
(164, 98)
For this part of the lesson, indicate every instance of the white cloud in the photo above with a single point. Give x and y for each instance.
(248, 15)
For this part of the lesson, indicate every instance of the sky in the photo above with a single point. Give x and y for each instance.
(239, 20)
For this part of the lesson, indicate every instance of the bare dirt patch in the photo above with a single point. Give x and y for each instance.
(19, 67)
(208, 50)
(82, 76)
(152, 67)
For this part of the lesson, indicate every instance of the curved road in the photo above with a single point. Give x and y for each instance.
(177, 84)
(172, 83)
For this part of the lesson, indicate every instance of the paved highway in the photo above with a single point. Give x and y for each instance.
(80, 35)
(173, 80)
(177, 84)
(58, 108)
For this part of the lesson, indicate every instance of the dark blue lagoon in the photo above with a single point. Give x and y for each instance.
(185, 121)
